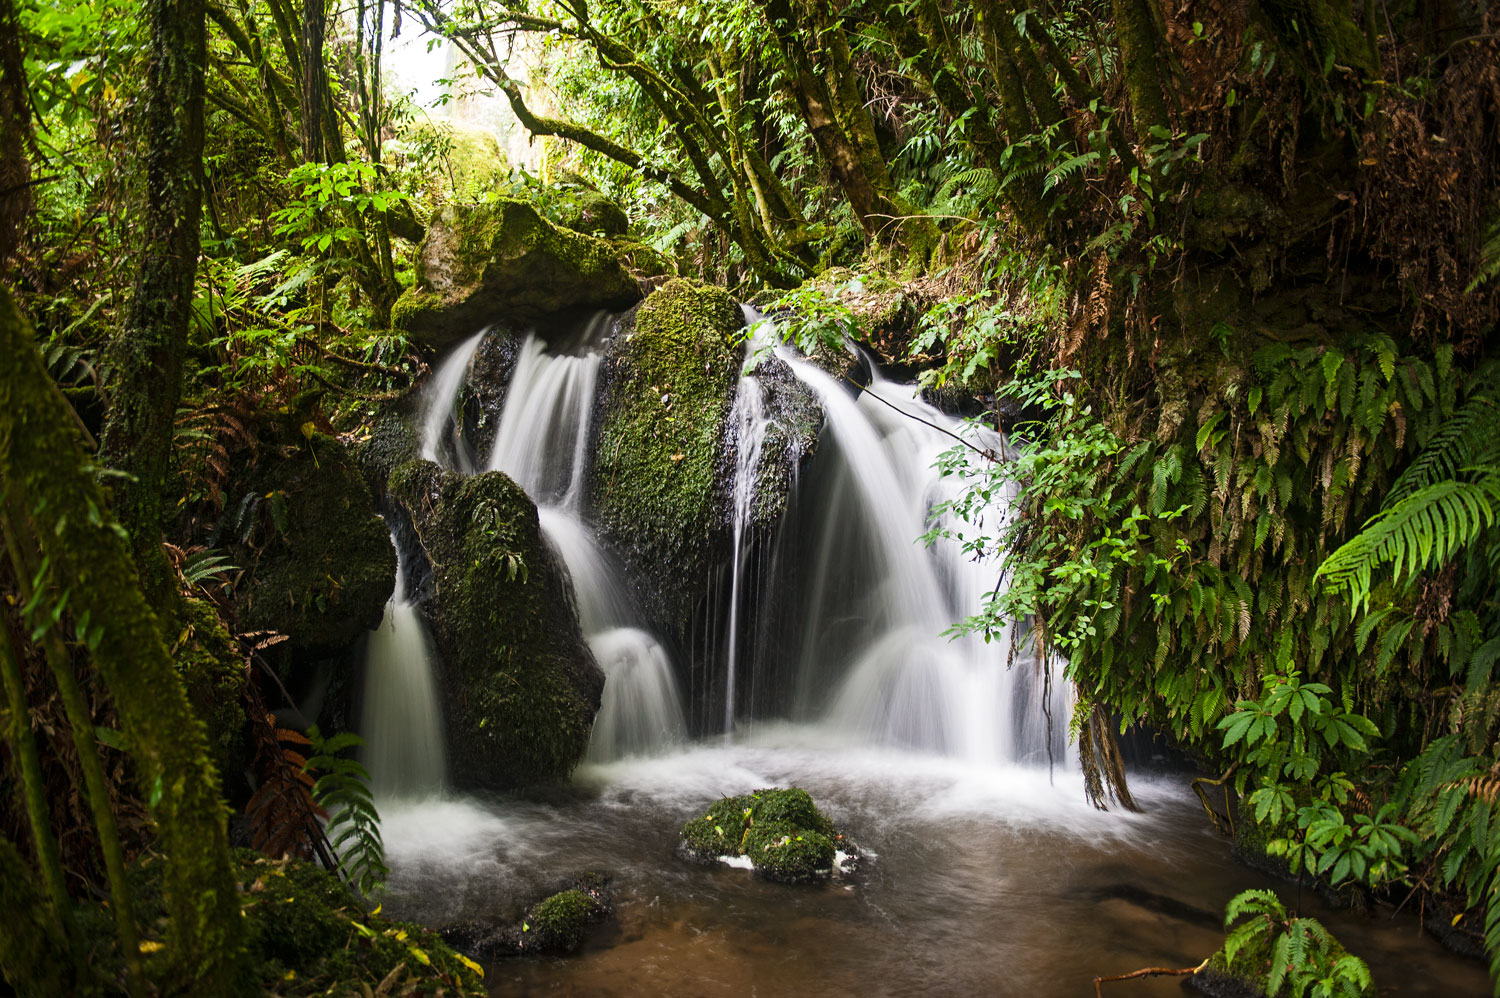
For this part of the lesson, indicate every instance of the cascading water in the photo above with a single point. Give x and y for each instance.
(402, 725)
(542, 443)
(875, 604)
(748, 418)
(440, 443)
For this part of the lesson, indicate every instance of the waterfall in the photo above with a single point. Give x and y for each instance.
(441, 442)
(542, 443)
(402, 725)
(748, 419)
(875, 661)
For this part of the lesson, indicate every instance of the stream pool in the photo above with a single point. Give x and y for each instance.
(977, 882)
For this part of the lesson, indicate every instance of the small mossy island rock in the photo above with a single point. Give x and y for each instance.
(522, 686)
(502, 261)
(659, 484)
(781, 831)
(558, 923)
(1246, 975)
(327, 568)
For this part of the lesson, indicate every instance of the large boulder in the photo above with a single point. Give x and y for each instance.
(503, 262)
(659, 487)
(320, 562)
(521, 685)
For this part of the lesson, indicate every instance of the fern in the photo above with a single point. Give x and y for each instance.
(1419, 532)
(343, 791)
(1470, 437)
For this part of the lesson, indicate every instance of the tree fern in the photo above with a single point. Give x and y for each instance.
(1421, 531)
(343, 790)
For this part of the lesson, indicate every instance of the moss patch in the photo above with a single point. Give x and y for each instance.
(781, 831)
(522, 686)
(659, 485)
(213, 673)
(328, 568)
(502, 261)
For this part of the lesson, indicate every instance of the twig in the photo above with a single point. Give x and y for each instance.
(983, 452)
(1145, 972)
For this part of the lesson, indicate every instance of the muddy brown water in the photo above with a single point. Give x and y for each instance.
(979, 882)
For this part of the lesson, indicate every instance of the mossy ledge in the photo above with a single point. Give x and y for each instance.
(781, 831)
(521, 685)
(659, 482)
(502, 261)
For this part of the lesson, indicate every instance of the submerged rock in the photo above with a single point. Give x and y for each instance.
(502, 261)
(326, 567)
(659, 488)
(522, 686)
(781, 831)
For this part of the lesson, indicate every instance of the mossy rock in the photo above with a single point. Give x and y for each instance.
(390, 441)
(584, 210)
(502, 261)
(781, 831)
(522, 686)
(1245, 976)
(558, 923)
(325, 574)
(213, 673)
(659, 484)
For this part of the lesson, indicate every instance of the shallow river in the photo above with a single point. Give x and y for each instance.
(979, 882)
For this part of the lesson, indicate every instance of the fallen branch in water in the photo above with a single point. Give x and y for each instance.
(1145, 972)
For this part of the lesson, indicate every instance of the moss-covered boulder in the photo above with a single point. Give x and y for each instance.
(558, 923)
(660, 476)
(781, 831)
(502, 261)
(584, 210)
(522, 686)
(321, 566)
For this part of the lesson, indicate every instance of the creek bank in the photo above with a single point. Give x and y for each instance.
(780, 831)
(521, 686)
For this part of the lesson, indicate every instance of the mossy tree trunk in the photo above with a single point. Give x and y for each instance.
(47, 474)
(148, 351)
(34, 957)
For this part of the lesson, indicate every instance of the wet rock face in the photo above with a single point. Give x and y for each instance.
(659, 489)
(781, 831)
(502, 261)
(326, 567)
(521, 685)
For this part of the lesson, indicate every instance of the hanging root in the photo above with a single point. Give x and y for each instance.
(1103, 767)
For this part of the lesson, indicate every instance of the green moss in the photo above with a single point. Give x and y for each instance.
(583, 210)
(661, 448)
(523, 686)
(328, 568)
(558, 923)
(782, 832)
(415, 308)
(213, 672)
(502, 261)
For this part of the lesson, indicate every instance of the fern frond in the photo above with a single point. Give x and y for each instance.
(1419, 532)
(1471, 436)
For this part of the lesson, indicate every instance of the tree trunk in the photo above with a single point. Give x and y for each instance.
(148, 351)
(47, 473)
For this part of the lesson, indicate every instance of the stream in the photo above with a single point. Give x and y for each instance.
(985, 871)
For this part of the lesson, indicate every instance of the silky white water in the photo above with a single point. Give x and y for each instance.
(749, 424)
(542, 443)
(402, 722)
(441, 442)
